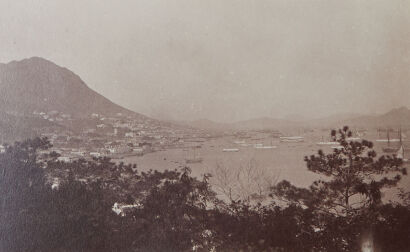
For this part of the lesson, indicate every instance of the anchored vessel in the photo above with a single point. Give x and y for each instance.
(292, 139)
(194, 159)
(230, 150)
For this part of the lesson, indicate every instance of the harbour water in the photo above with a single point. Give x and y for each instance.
(285, 162)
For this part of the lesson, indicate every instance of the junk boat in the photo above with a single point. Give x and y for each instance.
(194, 159)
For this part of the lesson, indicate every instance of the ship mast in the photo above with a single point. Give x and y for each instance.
(401, 143)
(400, 135)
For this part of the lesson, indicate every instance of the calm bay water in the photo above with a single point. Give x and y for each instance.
(284, 162)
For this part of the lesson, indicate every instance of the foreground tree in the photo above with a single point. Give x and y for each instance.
(168, 213)
(248, 183)
(172, 211)
(346, 200)
(34, 217)
(354, 178)
(22, 188)
(173, 214)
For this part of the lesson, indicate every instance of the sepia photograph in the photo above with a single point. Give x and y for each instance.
(204, 126)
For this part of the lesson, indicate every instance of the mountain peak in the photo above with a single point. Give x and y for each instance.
(37, 84)
(35, 60)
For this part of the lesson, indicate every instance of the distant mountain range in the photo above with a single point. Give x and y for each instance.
(36, 84)
(252, 124)
(399, 117)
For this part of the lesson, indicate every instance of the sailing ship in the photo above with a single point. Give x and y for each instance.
(388, 140)
(194, 159)
(388, 148)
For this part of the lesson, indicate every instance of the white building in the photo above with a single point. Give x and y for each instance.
(78, 153)
(129, 134)
(119, 149)
(95, 154)
(64, 159)
(138, 150)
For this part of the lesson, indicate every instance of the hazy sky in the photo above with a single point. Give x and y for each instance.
(223, 59)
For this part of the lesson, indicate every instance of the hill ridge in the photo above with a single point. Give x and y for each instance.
(39, 84)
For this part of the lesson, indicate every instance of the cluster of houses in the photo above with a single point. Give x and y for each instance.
(114, 136)
(52, 116)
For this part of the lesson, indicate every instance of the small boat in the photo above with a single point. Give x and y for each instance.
(230, 150)
(328, 143)
(193, 160)
(389, 149)
(292, 137)
(257, 138)
(239, 142)
(292, 140)
(265, 147)
(323, 142)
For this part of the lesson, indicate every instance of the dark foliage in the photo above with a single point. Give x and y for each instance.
(172, 211)
(347, 202)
